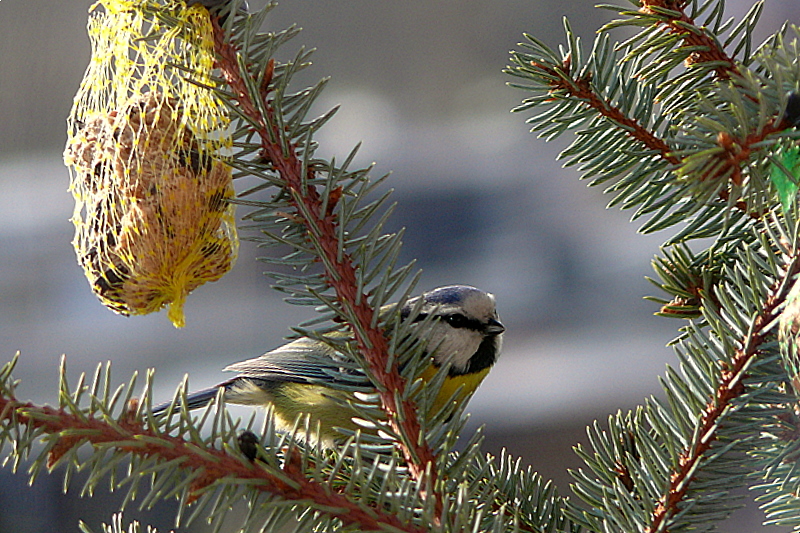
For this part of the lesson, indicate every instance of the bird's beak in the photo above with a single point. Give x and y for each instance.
(494, 327)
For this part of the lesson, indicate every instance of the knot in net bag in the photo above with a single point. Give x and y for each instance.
(152, 217)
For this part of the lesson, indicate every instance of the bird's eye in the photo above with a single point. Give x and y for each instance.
(456, 320)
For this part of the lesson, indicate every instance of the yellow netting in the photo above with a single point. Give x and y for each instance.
(151, 218)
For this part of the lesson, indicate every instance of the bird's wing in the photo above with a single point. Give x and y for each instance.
(301, 361)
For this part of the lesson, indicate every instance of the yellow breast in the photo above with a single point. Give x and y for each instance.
(327, 406)
(467, 382)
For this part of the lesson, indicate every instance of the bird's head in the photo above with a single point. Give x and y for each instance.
(465, 330)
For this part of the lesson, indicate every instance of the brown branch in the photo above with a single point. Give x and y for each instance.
(581, 88)
(322, 227)
(132, 437)
(730, 387)
(735, 152)
(708, 49)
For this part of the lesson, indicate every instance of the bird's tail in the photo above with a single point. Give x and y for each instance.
(196, 399)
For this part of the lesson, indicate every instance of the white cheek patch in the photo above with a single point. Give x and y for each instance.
(455, 346)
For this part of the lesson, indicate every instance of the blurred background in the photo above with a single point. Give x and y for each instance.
(484, 203)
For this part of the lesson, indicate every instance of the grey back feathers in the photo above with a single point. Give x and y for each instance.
(300, 361)
(465, 333)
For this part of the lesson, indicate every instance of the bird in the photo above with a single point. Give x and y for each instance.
(297, 379)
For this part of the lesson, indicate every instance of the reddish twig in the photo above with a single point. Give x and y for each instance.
(735, 153)
(322, 226)
(135, 439)
(581, 88)
(730, 387)
(707, 49)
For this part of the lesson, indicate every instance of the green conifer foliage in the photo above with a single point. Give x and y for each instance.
(687, 122)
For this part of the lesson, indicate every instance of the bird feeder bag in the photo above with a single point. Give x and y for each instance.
(146, 137)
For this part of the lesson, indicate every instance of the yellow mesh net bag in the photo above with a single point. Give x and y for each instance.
(152, 220)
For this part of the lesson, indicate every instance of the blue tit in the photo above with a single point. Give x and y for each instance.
(464, 333)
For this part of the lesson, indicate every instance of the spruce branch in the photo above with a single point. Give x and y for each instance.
(671, 465)
(730, 386)
(280, 480)
(681, 129)
(690, 279)
(706, 49)
(68, 431)
(681, 120)
(318, 216)
(567, 84)
(735, 152)
(507, 483)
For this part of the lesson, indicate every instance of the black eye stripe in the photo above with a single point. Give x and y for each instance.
(456, 320)
(459, 321)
